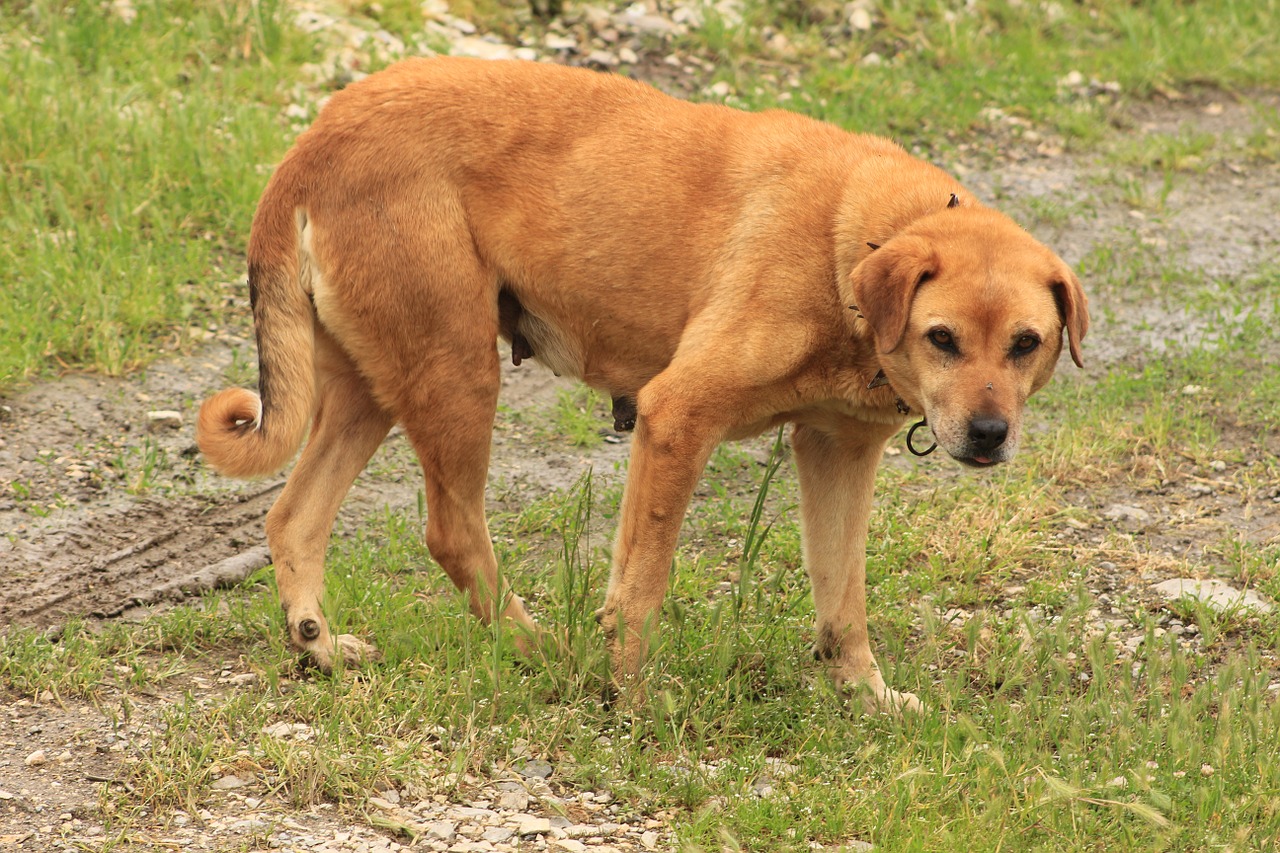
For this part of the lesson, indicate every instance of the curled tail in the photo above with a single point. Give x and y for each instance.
(247, 434)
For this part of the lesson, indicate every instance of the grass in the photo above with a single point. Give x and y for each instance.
(133, 154)
(928, 71)
(1055, 719)
(1042, 732)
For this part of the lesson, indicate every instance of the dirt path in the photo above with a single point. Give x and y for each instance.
(108, 517)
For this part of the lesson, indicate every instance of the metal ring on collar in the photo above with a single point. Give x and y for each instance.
(911, 435)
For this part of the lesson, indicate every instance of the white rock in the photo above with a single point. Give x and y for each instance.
(1123, 512)
(1073, 80)
(530, 825)
(36, 758)
(462, 25)
(860, 19)
(498, 834)
(558, 42)
(516, 801)
(285, 731)
(226, 783)
(646, 24)
(163, 419)
(1215, 594)
(481, 48)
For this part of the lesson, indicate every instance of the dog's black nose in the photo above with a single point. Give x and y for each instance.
(988, 433)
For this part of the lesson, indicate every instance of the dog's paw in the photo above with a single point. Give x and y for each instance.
(892, 702)
(355, 651)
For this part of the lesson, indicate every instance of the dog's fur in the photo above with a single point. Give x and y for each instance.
(724, 272)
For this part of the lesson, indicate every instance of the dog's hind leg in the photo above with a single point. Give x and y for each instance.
(347, 428)
(837, 477)
(450, 424)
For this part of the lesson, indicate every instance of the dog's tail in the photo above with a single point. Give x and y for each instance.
(247, 434)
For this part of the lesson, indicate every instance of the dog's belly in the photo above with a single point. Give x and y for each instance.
(548, 345)
(579, 335)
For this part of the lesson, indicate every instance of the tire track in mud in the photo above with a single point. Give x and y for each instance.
(145, 554)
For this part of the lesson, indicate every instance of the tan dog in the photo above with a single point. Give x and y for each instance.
(698, 263)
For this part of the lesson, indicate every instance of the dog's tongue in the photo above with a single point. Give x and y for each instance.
(982, 460)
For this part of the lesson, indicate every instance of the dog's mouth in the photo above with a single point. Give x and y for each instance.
(977, 461)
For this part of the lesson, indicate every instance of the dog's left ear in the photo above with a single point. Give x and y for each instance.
(883, 285)
(1073, 305)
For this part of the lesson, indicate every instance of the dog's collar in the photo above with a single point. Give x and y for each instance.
(880, 381)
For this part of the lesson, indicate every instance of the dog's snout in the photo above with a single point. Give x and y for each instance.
(988, 433)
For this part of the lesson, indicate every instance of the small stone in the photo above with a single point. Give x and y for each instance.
(535, 768)
(515, 801)
(557, 42)
(163, 419)
(36, 758)
(530, 825)
(860, 19)
(649, 840)
(498, 834)
(1123, 512)
(628, 56)
(646, 24)
(1073, 80)
(226, 783)
(602, 58)
(462, 25)
(442, 830)
(1215, 594)
(480, 48)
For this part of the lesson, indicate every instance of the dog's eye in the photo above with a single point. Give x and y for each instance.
(1025, 344)
(943, 340)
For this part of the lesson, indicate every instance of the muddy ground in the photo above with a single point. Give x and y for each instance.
(106, 513)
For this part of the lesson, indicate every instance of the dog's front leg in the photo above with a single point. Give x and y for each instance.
(671, 446)
(837, 477)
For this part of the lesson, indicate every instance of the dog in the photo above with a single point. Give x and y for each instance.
(716, 272)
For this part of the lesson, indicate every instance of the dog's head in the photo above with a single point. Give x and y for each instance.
(968, 313)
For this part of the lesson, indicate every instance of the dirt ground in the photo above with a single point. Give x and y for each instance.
(106, 514)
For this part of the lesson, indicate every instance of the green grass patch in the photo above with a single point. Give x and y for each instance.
(927, 71)
(1039, 733)
(132, 156)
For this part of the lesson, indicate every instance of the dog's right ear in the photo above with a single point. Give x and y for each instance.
(885, 282)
